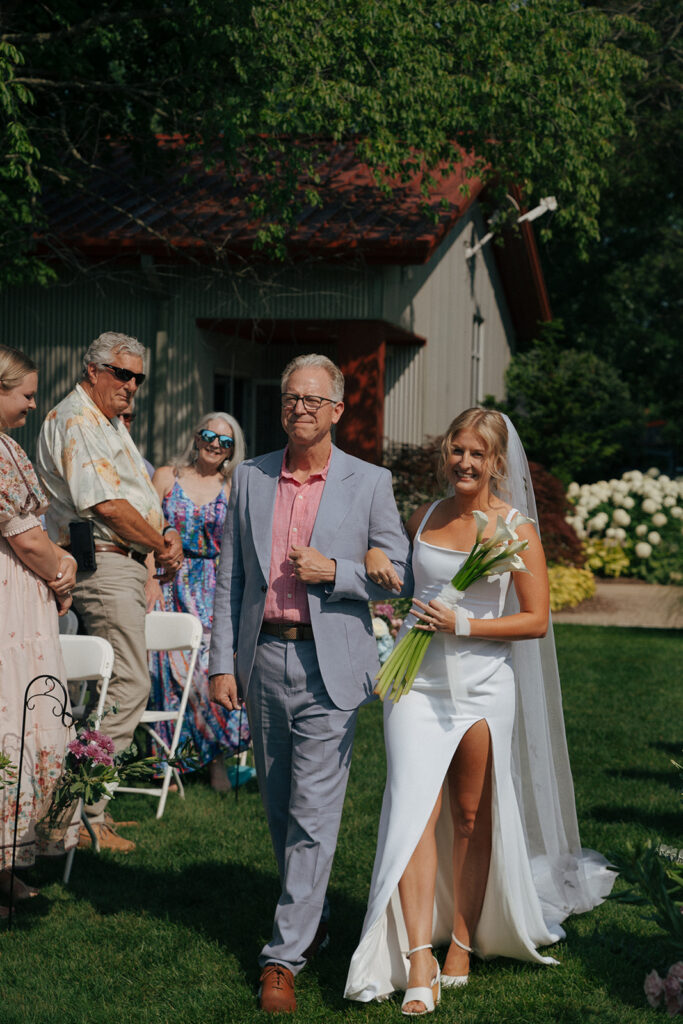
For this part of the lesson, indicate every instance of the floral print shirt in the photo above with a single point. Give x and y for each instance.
(22, 499)
(83, 459)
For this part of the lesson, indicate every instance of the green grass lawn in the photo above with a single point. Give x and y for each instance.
(171, 932)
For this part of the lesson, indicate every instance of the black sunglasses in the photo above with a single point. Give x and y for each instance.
(224, 440)
(124, 375)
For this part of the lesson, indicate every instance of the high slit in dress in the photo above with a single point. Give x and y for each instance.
(461, 681)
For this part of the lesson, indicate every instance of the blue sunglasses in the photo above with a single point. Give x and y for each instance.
(224, 440)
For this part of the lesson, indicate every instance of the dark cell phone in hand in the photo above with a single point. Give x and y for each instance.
(83, 545)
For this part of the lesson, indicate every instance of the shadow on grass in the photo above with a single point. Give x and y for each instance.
(674, 749)
(666, 824)
(647, 775)
(231, 904)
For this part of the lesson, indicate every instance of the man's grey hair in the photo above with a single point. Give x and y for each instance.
(313, 359)
(102, 349)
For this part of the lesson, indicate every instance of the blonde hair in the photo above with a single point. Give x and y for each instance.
(14, 366)
(490, 426)
(188, 456)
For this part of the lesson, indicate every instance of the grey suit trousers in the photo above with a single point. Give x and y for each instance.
(302, 749)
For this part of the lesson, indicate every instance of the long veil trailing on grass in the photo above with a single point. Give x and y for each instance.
(568, 878)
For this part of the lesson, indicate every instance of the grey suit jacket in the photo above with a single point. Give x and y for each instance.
(357, 511)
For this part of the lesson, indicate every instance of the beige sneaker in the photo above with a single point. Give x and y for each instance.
(106, 837)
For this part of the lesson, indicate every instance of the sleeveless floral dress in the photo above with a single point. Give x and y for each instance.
(213, 730)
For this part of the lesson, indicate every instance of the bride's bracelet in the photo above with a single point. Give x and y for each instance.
(462, 622)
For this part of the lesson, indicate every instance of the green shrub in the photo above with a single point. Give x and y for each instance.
(569, 586)
(573, 411)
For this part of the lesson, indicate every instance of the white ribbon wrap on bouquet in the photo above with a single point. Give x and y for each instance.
(452, 598)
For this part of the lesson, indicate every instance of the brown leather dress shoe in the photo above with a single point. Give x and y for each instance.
(276, 993)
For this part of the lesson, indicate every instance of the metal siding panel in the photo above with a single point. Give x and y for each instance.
(54, 325)
(403, 394)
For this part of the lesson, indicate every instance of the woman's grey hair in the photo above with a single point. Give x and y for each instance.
(188, 456)
(313, 359)
(103, 349)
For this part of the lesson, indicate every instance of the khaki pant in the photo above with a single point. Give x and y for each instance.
(111, 603)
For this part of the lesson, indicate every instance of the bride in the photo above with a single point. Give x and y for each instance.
(478, 841)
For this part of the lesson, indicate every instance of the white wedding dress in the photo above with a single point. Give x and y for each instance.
(461, 681)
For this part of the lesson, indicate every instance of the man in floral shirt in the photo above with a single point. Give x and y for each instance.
(94, 474)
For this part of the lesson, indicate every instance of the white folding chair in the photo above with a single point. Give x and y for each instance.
(86, 658)
(169, 631)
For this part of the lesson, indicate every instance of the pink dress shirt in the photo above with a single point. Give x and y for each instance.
(296, 506)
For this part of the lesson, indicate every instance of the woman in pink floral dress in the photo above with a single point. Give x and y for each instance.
(35, 580)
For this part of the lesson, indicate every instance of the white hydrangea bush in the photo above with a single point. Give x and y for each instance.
(632, 526)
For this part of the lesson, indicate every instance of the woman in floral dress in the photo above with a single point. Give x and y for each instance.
(194, 491)
(36, 577)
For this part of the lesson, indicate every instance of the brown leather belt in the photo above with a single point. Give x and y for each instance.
(287, 631)
(117, 550)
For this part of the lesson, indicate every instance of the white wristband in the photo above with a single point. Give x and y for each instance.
(462, 622)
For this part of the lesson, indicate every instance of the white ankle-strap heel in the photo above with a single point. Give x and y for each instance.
(422, 994)
(456, 980)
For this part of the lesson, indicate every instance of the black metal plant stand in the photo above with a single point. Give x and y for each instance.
(57, 692)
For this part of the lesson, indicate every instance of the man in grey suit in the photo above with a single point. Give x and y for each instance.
(292, 637)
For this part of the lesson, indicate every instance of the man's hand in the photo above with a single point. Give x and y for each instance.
(223, 691)
(64, 602)
(312, 567)
(170, 558)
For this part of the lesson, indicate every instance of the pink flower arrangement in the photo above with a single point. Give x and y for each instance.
(668, 989)
(387, 612)
(92, 769)
(94, 745)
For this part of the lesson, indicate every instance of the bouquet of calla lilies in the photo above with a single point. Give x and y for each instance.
(498, 554)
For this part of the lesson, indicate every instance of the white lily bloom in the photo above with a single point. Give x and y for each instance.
(512, 564)
(519, 520)
(482, 521)
(501, 533)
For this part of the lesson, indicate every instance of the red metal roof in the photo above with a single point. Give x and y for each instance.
(204, 213)
(192, 209)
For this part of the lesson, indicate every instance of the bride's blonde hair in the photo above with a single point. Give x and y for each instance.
(489, 425)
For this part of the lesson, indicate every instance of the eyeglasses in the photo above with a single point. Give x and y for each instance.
(128, 417)
(124, 375)
(224, 440)
(311, 403)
